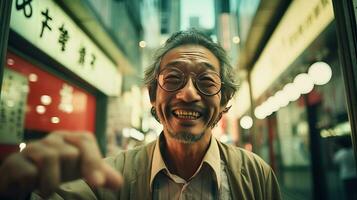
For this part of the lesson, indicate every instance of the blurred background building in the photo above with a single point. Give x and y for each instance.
(78, 65)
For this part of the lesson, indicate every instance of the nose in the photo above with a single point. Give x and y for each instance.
(188, 93)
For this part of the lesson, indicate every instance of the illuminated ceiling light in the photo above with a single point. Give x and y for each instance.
(246, 122)
(133, 133)
(137, 135)
(272, 104)
(46, 100)
(320, 73)
(214, 38)
(324, 133)
(40, 109)
(236, 40)
(126, 132)
(259, 112)
(10, 61)
(55, 120)
(142, 44)
(291, 91)
(266, 109)
(150, 136)
(162, 41)
(22, 146)
(224, 138)
(281, 98)
(304, 83)
(33, 77)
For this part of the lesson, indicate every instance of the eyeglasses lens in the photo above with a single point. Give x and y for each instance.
(172, 79)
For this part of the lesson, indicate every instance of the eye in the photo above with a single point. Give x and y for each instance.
(172, 77)
(208, 79)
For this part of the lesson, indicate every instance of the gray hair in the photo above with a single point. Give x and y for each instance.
(195, 37)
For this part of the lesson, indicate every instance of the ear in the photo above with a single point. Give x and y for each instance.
(224, 108)
(152, 94)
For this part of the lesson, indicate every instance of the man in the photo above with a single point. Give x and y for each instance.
(189, 85)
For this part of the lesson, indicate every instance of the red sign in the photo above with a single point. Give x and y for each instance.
(53, 104)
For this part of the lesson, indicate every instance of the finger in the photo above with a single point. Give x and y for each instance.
(69, 157)
(95, 171)
(70, 163)
(47, 161)
(91, 160)
(18, 176)
(113, 179)
(50, 178)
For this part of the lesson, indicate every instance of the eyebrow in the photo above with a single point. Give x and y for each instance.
(180, 63)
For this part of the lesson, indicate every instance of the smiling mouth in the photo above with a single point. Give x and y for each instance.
(186, 114)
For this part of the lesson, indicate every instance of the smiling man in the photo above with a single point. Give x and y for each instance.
(190, 84)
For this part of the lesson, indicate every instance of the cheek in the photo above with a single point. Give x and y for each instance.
(162, 97)
(215, 106)
(217, 102)
(218, 107)
(161, 102)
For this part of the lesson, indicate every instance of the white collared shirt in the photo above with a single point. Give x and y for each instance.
(210, 181)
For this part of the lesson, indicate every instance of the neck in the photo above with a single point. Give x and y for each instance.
(183, 159)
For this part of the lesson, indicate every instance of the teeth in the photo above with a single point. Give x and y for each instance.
(187, 114)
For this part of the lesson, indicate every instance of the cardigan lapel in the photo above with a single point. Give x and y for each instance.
(140, 187)
(233, 164)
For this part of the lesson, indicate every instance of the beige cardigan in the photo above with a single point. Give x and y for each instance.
(248, 175)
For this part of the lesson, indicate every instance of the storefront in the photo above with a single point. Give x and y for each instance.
(304, 135)
(299, 103)
(55, 77)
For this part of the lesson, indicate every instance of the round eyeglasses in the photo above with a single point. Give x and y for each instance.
(172, 79)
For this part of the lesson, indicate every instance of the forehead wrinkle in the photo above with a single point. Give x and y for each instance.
(191, 55)
(201, 55)
(183, 63)
(208, 65)
(194, 55)
(174, 63)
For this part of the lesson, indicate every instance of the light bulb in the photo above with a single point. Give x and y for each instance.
(304, 83)
(246, 122)
(320, 73)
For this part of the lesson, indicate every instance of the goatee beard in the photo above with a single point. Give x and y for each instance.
(186, 137)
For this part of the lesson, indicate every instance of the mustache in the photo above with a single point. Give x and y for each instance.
(191, 105)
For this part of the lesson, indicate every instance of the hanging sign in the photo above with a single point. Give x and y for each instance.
(303, 22)
(48, 27)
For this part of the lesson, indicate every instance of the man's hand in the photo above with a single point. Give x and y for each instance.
(45, 164)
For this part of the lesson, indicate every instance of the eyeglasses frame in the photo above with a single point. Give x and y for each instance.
(194, 78)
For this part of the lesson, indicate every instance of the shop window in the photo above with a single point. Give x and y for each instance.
(50, 104)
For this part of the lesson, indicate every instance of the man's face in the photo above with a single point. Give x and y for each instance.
(187, 114)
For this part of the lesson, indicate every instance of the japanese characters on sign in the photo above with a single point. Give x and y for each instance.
(48, 27)
(12, 107)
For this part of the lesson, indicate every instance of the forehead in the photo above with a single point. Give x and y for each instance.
(190, 56)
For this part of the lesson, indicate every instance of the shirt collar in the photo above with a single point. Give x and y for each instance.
(158, 163)
(212, 158)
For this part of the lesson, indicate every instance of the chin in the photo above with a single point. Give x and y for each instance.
(186, 137)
